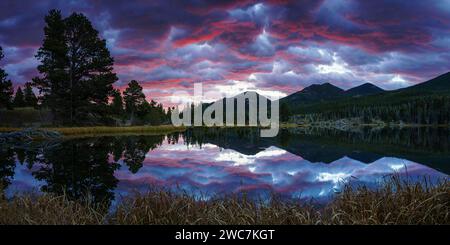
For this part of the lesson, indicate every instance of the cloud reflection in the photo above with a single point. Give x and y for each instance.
(211, 170)
(124, 165)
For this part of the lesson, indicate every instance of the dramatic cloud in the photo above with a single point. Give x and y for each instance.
(274, 47)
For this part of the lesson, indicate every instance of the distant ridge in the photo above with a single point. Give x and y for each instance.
(363, 90)
(440, 83)
(322, 93)
(246, 93)
(327, 93)
(235, 99)
(314, 93)
(424, 103)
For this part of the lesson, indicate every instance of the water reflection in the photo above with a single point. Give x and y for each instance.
(6, 166)
(205, 162)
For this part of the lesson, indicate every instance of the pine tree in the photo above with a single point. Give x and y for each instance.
(134, 99)
(19, 98)
(169, 114)
(76, 68)
(117, 103)
(53, 84)
(29, 96)
(6, 89)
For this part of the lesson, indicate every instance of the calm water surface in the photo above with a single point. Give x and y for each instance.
(297, 164)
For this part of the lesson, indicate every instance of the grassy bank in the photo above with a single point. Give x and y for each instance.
(104, 130)
(395, 202)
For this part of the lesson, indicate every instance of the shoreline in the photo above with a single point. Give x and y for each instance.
(159, 129)
(104, 130)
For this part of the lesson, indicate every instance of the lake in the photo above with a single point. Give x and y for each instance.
(300, 163)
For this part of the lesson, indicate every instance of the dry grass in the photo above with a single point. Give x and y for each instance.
(9, 129)
(49, 210)
(104, 130)
(395, 202)
(113, 130)
(168, 208)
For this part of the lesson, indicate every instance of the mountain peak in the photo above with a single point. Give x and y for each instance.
(314, 93)
(324, 87)
(367, 85)
(363, 89)
(247, 93)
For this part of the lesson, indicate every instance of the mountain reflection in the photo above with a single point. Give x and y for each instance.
(206, 162)
(426, 145)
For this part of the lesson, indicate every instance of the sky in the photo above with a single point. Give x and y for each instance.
(274, 47)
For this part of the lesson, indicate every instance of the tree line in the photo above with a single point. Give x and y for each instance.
(430, 109)
(426, 110)
(76, 80)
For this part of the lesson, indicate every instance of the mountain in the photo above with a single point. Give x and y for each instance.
(329, 96)
(245, 95)
(427, 103)
(363, 90)
(437, 84)
(314, 94)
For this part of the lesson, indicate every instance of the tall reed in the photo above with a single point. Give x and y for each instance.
(396, 201)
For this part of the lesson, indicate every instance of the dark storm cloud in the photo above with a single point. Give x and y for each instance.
(277, 45)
